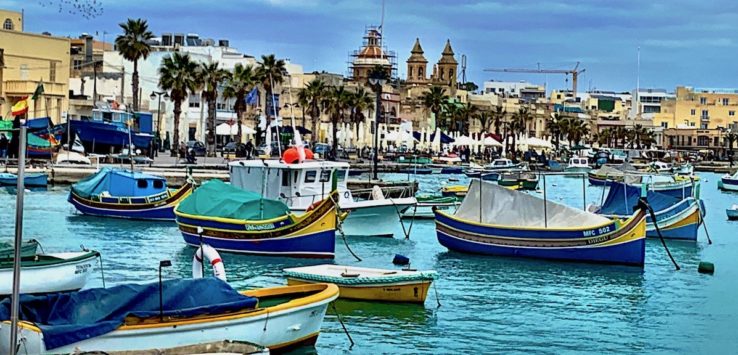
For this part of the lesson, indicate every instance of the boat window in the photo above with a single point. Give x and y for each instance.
(325, 175)
(310, 176)
(107, 116)
(158, 184)
(341, 175)
(116, 117)
(286, 178)
(142, 184)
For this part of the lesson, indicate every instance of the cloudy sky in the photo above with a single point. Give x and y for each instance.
(681, 42)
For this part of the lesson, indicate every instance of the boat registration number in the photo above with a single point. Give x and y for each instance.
(259, 227)
(597, 231)
(82, 269)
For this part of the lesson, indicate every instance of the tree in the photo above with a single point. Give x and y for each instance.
(272, 72)
(469, 86)
(434, 100)
(238, 84)
(466, 113)
(314, 93)
(360, 102)
(177, 74)
(553, 126)
(519, 124)
(210, 77)
(338, 99)
(485, 118)
(499, 117)
(133, 45)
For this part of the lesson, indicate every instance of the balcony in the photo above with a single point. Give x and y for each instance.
(704, 118)
(27, 87)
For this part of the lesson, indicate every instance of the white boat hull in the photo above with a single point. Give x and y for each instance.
(275, 329)
(373, 218)
(70, 276)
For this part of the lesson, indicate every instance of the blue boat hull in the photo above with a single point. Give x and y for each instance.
(30, 180)
(452, 170)
(136, 208)
(164, 213)
(316, 245)
(103, 136)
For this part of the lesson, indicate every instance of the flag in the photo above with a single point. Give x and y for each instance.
(38, 92)
(253, 97)
(20, 107)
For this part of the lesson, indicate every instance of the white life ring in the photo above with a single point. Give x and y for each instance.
(213, 258)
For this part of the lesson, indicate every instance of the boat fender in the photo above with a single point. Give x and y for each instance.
(401, 260)
(706, 267)
(213, 257)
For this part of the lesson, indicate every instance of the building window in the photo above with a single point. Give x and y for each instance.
(420, 73)
(52, 72)
(692, 112)
(703, 100)
(8, 24)
(24, 72)
(691, 124)
(705, 114)
(703, 126)
(450, 74)
(731, 113)
(726, 101)
(77, 64)
(665, 124)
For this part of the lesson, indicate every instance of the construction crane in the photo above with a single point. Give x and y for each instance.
(574, 73)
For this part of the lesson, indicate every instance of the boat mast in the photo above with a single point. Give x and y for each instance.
(130, 141)
(20, 187)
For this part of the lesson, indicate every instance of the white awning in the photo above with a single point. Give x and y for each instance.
(225, 129)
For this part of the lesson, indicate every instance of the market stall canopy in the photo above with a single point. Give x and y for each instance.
(225, 129)
(491, 142)
(464, 140)
(534, 142)
(445, 139)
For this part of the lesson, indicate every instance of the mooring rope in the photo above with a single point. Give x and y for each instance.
(658, 231)
(345, 330)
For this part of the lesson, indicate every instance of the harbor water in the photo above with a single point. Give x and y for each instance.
(488, 304)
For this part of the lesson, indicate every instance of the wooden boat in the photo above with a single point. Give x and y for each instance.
(578, 165)
(454, 190)
(121, 193)
(53, 272)
(512, 223)
(28, 249)
(367, 284)
(523, 180)
(732, 212)
(729, 182)
(452, 170)
(29, 180)
(194, 311)
(426, 204)
(238, 221)
(676, 218)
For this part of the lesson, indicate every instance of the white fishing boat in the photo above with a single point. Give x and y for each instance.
(578, 165)
(660, 167)
(729, 182)
(301, 185)
(368, 284)
(732, 212)
(46, 273)
(131, 317)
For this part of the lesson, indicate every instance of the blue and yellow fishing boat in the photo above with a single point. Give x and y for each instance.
(676, 218)
(534, 228)
(239, 221)
(122, 193)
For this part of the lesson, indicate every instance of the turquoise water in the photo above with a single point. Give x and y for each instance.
(488, 304)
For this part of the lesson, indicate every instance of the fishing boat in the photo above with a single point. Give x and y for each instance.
(173, 313)
(427, 203)
(660, 167)
(120, 193)
(367, 284)
(416, 171)
(29, 180)
(673, 185)
(521, 180)
(577, 165)
(452, 170)
(301, 185)
(40, 148)
(606, 173)
(458, 191)
(46, 273)
(684, 169)
(732, 212)
(676, 218)
(224, 347)
(28, 249)
(493, 220)
(109, 129)
(729, 182)
(239, 221)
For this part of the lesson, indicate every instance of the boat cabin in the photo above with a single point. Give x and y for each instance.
(661, 166)
(502, 163)
(578, 162)
(297, 185)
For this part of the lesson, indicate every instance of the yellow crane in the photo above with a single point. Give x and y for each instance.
(573, 72)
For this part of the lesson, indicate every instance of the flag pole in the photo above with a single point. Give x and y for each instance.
(20, 187)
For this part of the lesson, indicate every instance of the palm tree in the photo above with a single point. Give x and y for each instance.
(553, 126)
(237, 86)
(499, 116)
(210, 77)
(177, 74)
(272, 72)
(361, 101)
(434, 100)
(465, 114)
(337, 100)
(485, 118)
(578, 131)
(313, 94)
(133, 45)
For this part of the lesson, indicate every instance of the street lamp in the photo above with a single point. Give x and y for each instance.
(153, 97)
(377, 81)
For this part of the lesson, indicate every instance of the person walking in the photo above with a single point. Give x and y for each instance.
(249, 149)
(3, 145)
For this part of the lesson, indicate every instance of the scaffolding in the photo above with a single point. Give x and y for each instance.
(373, 52)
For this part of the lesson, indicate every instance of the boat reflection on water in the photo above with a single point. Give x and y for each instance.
(404, 315)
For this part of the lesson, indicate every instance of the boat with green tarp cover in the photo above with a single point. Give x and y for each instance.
(240, 221)
(122, 193)
(28, 249)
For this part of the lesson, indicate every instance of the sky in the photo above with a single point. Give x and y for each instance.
(690, 43)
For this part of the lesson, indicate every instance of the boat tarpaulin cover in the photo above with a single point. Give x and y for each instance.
(508, 208)
(621, 199)
(218, 199)
(66, 318)
(118, 182)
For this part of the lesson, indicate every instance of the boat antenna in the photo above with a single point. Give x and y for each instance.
(276, 116)
(129, 122)
(20, 192)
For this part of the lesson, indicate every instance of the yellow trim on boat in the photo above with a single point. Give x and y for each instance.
(693, 218)
(408, 291)
(563, 229)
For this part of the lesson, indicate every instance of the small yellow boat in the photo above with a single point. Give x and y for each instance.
(367, 284)
(455, 190)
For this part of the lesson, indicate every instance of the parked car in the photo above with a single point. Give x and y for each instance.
(198, 147)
